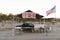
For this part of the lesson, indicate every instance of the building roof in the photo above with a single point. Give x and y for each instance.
(28, 11)
(38, 16)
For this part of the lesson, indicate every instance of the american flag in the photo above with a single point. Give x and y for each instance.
(53, 10)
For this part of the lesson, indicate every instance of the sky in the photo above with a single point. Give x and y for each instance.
(37, 6)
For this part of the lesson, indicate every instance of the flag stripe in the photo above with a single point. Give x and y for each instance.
(53, 10)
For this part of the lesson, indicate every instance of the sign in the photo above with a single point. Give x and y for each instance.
(28, 15)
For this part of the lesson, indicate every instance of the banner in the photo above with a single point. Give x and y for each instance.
(28, 15)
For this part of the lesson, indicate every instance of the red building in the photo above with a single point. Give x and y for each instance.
(30, 15)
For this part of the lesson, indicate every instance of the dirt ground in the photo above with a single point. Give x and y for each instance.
(10, 35)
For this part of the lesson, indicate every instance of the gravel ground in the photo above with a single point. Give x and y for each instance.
(9, 35)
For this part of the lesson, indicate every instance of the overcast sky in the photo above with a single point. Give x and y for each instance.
(37, 6)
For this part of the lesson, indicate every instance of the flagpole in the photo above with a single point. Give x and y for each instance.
(55, 16)
(54, 12)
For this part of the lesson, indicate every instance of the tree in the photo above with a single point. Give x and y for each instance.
(10, 16)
